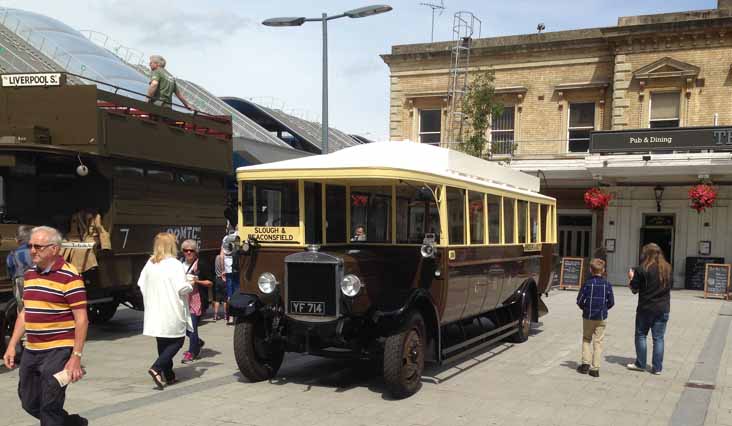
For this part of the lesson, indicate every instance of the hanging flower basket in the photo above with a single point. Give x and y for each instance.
(702, 197)
(597, 199)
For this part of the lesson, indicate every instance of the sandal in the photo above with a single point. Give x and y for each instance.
(157, 378)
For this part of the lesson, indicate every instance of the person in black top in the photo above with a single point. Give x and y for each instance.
(652, 282)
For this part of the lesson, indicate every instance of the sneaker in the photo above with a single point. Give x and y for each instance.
(595, 373)
(187, 357)
(583, 368)
(657, 373)
(634, 367)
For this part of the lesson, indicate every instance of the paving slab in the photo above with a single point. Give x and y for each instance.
(533, 383)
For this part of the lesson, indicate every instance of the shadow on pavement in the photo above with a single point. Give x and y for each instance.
(620, 360)
(570, 364)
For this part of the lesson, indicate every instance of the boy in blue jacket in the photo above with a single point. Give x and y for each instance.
(594, 298)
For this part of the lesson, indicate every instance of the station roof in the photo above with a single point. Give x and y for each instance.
(410, 157)
(308, 131)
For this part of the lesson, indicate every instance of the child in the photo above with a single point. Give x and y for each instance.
(594, 298)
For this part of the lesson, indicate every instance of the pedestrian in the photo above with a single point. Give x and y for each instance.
(198, 274)
(595, 298)
(231, 270)
(219, 289)
(52, 289)
(651, 280)
(167, 317)
(19, 261)
(163, 85)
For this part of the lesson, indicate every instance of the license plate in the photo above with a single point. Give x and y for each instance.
(307, 308)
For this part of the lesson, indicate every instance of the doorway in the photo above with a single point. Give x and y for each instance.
(658, 229)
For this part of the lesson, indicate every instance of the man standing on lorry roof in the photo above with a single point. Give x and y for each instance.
(55, 320)
(163, 84)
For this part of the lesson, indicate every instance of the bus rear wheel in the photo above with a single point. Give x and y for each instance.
(257, 359)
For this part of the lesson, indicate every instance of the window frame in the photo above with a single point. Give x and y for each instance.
(650, 109)
(419, 127)
(491, 131)
(570, 128)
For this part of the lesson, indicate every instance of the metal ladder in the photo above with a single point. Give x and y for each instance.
(465, 26)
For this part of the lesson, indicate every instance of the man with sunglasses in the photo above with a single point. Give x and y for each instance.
(54, 318)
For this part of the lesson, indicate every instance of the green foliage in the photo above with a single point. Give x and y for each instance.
(479, 104)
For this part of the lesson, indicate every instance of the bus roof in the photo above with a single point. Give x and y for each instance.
(403, 156)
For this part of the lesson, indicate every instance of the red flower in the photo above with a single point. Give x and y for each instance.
(702, 197)
(597, 199)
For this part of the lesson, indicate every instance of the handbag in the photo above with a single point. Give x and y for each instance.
(194, 299)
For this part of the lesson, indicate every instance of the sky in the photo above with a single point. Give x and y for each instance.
(222, 46)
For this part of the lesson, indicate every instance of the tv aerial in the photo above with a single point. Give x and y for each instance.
(435, 7)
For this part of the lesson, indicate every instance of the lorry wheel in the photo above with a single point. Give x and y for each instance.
(257, 359)
(404, 355)
(100, 313)
(524, 325)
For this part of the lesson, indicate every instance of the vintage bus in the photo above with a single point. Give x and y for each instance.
(109, 172)
(395, 252)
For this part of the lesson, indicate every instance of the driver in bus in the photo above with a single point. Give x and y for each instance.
(359, 234)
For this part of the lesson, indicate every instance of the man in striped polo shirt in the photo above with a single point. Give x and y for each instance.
(54, 319)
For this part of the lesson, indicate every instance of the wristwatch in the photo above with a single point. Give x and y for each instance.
(76, 353)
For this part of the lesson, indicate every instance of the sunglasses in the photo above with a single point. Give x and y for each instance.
(39, 247)
(188, 251)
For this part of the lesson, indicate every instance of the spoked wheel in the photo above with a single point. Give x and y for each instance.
(524, 325)
(404, 355)
(258, 360)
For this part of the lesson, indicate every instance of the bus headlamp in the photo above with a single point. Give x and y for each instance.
(427, 250)
(267, 283)
(351, 285)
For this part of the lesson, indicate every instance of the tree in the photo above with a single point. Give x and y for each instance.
(479, 105)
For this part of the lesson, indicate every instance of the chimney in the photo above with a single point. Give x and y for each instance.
(724, 4)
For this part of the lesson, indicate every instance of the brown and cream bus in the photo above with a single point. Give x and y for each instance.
(396, 252)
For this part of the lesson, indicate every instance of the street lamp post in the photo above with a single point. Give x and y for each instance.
(361, 12)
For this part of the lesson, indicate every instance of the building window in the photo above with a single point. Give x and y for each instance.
(664, 110)
(501, 132)
(430, 125)
(581, 123)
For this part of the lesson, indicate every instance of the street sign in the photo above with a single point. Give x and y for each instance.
(32, 79)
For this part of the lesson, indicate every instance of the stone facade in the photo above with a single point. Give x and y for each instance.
(594, 65)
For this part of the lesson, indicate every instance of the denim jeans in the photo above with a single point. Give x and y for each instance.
(656, 322)
(195, 342)
(232, 284)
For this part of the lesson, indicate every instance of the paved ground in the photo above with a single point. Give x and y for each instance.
(532, 383)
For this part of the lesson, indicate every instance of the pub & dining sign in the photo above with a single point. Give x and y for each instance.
(649, 140)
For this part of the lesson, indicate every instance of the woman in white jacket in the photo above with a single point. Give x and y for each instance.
(165, 294)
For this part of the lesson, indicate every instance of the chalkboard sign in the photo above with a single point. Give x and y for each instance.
(716, 280)
(695, 270)
(571, 272)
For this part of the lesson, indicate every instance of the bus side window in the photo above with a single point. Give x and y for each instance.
(456, 215)
(534, 222)
(476, 209)
(494, 219)
(508, 221)
(523, 210)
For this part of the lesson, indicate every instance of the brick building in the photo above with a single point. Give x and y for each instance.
(580, 108)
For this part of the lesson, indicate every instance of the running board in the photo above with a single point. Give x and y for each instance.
(479, 342)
